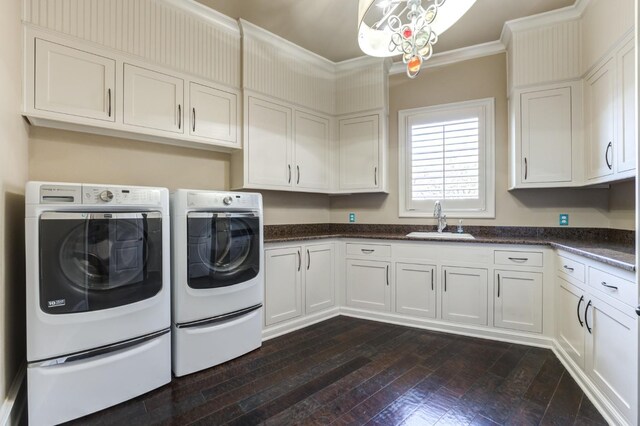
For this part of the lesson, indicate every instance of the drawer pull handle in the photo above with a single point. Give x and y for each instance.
(568, 268)
(367, 251)
(519, 259)
(612, 287)
(578, 310)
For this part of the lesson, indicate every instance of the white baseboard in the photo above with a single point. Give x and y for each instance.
(15, 403)
(293, 325)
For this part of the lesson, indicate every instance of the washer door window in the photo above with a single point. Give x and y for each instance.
(94, 261)
(223, 248)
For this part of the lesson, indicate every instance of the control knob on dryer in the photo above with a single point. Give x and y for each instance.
(106, 196)
(227, 200)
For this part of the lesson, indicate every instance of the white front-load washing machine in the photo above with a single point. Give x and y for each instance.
(98, 297)
(218, 278)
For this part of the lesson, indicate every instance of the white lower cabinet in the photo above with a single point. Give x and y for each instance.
(416, 289)
(369, 284)
(570, 303)
(283, 284)
(518, 300)
(464, 295)
(318, 277)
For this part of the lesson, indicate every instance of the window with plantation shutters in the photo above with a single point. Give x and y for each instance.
(447, 155)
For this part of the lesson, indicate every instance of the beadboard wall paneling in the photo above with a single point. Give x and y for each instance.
(287, 72)
(542, 55)
(361, 88)
(151, 29)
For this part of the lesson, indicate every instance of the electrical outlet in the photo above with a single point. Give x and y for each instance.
(352, 218)
(564, 219)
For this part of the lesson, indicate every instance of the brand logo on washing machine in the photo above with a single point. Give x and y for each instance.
(56, 303)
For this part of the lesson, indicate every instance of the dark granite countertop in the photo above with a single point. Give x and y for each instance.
(611, 246)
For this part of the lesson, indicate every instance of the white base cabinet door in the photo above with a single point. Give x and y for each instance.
(283, 284)
(464, 295)
(518, 301)
(611, 360)
(570, 305)
(416, 290)
(319, 278)
(368, 284)
(70, 81)
(213, 114)
(153, 100)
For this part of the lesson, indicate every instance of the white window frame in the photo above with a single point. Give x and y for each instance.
(486, 112)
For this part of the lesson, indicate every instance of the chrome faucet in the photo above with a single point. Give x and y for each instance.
(442, 218)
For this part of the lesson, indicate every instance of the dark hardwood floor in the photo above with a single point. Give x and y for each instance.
(351, 371)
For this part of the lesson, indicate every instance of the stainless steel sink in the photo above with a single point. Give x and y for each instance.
(440, 236)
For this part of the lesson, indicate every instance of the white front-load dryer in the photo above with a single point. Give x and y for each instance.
(218, 277)
(98, 296)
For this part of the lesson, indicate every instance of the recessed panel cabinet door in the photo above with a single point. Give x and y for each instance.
(518, 301)
(269, 144)
(570, 305)
(546, 136)
(312, 147)
(626, 152)
(213, 114)
(153, 100)
(464, 295)
(600, 121)
(359, 140)
(319, 278)
(416, 290)
(70, 81)
(283, 284)
(611, 356)
(368, 285)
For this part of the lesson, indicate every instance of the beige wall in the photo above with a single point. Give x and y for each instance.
(622, 205)
(13, 175)
(476, 79)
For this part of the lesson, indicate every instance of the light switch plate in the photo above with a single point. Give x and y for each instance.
(352, 218)
(564, 219)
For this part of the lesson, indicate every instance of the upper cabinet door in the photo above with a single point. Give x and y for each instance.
(269, 144)
(600, 121)
(546, 131)
(359, 141)
(312, 147)
(70, 81)
(153, 100)
(213, 113)
(626, 152)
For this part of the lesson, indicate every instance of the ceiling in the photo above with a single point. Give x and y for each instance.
(329, 27)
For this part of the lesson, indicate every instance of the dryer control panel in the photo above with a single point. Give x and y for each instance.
(225, 200)
(119, 195)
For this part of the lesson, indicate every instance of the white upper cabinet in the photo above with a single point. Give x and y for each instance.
(626, 147)
(213, 113)
(464, 295)
(74, 82)
(153, 100)
(269, 144)
(359, 153)
(600, 121)
(518, 300)
(312, 141)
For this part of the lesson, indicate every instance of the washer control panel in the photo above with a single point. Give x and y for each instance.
(239, 200)
(119, 195)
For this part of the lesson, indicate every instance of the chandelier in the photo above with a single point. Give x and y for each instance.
(406, 27)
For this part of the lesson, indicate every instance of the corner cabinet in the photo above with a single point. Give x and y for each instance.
(545, 143)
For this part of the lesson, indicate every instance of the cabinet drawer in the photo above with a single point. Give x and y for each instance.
(518, 258)
(571, 268)
(616, 287)
(373, 250)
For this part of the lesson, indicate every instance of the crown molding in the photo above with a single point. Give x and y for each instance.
(551, 17)
(453, 56)
(362, 62)
(206, 13)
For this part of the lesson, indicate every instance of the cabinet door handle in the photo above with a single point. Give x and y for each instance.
(445, 280)
(519, 259)
(612, 287)
(568, 268)
(498, 285)
(578, 310)
(375, 176)
(289, 166)
(109, 102)
(308, 260)
(432, 284)
(387, 275)
(298, 171)
(179, 116)
(299, 260)
(586, 318)
(194, 119)
(526, 168)
(606, 155)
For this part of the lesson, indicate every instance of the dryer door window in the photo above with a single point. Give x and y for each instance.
(223, 248)
(94, 261)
